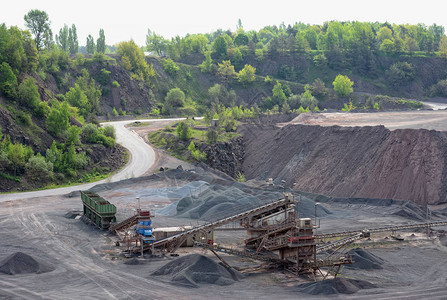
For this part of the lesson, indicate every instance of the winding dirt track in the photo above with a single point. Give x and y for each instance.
(141, 158)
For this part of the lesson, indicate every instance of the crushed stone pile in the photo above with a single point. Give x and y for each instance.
(334, 286)
(219, 201)
(364, 260)
(369, 161)
(194, 269)
(21, 263)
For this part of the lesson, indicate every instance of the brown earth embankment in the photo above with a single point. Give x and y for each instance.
(370, 162)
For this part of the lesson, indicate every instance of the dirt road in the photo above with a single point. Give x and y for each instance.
(141, 158)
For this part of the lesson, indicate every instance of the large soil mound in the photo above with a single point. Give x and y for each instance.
(364, 260)
(334, 286)
(192, 270)
(21, 263)
(369, 162)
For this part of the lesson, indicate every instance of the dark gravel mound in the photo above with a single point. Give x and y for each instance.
(21, 263)
(364, 260)
(334, 286)
(192, 270)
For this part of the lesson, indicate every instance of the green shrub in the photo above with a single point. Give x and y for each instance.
(38, 169)
(196, 154)
(114, 112)
(90, 133)
(170, 66)
(109, 131)
(29, 93)
(212, 136)
(104, 77)
(183, 131)
(115, 84)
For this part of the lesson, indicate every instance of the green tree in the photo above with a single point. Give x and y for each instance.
(443, 47)
(63, 38)
(133, 60)
(226, 71)
(307, 100)
(155, 42)
(212, 136)
(38, 22)
(101, 42)
(387, 46)
(29, 93)
(343, 85)
(207, 64)
(183, 131)
(8, 81)
(220, 47)
(38, 169)
(247, 74)
(170, 66)
(279, 97)
(109, 131)
(73, 43)
(174, 100)
(90, 45)
(73, 135)
(220, 95)
(77, 98)
(58, 118)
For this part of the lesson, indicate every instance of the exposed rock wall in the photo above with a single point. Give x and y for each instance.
(370, 162)
(225, 156)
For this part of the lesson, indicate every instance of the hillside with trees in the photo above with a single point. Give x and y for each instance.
(53, 90)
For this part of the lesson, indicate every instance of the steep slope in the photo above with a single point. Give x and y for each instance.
(370, 162)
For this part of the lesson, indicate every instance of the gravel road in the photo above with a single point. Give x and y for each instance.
(141, 158)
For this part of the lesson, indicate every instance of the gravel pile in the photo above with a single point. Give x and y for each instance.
(194, 269)
(334, 286)
(364, 260)
(21, 263)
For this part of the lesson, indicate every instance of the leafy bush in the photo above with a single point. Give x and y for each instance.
(212, 136)
(8, 81)
(170, 66)
(90, 133)
(115, 84)
(29, 93)
(104, 77)
(38, 169)
(109, 131)
(196, 154)
(183, 131)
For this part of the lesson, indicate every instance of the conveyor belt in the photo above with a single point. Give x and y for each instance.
(212, 225)
(381, 229)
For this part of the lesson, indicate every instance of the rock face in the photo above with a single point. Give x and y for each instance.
(226, 156)
(369, 162)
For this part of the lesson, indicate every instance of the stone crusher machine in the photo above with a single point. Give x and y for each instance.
(98, 210)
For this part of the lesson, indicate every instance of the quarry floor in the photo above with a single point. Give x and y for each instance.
(88, 265)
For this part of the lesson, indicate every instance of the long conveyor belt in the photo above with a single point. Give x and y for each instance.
(381, 229)
(211, 225)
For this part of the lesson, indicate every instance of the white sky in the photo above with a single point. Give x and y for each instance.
(123, 20)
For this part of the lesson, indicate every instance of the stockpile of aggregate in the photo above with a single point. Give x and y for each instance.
(364, 260)
(219, 201)
(368, 162)
(334, 286)
(21, 263)
(195, 269)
